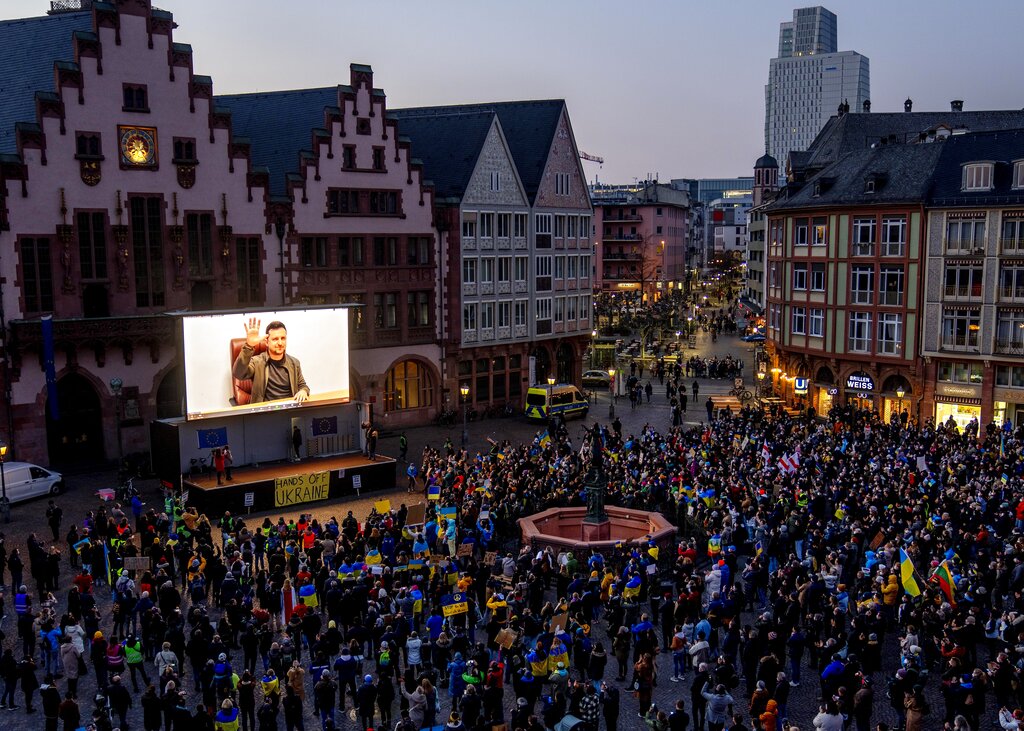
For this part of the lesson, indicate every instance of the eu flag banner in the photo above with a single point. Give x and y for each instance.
(49, 366)
(325, 426)
(212, 438)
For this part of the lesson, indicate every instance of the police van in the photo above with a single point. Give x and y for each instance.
(562, 399)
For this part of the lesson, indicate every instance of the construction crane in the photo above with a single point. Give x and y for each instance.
(591, 158)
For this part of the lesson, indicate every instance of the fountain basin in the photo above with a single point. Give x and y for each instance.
(565, 529)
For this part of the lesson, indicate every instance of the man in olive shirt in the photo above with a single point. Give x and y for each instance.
(274, 374)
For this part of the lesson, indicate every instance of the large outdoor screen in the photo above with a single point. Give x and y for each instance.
(249, 362)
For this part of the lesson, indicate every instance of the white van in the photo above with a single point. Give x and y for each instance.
(24, 480)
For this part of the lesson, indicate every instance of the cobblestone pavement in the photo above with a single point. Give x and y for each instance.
(803, 703)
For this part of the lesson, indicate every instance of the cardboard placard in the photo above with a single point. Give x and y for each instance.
(136, 563)
(490, 557)
(465, 549)
(559, 622)
(417, 514)
(506, 638)
(877, 541)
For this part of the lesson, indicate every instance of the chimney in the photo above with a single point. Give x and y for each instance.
(957, 105)
(867, 106)
(908, 105)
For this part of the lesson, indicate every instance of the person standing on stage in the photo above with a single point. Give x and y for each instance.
(297, 442)
(274, 374)
(229, 460)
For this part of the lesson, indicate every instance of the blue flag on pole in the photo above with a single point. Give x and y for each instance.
(212, 438)
(49, 366)
(325, 426)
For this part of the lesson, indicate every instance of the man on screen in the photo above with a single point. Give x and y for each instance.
(274, 374)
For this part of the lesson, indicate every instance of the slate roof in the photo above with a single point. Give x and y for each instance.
(1003, 148)
(279, 124)
(858, 131)
(28, 49)
(529, 128)
(448, 145)
(903, 174)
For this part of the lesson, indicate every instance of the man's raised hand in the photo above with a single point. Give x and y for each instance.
(252, 332)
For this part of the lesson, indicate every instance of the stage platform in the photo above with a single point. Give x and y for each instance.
(289, 485)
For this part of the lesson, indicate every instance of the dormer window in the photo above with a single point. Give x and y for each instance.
(1018, 174)
(869, 185)
(977, 176)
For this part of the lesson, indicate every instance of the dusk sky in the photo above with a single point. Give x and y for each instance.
(668, 88)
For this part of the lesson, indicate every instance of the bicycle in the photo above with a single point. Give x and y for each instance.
(741, 393)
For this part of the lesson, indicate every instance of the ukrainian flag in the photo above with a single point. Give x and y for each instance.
(632, 588)
(308, 595)
(558, 654)
(545, 438)
(433, 492)
(907, 575)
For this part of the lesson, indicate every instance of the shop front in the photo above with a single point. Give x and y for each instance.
(860, 391)
(960, 411)
(1008, 403)
(896, 397)
(824, 391)
(962, 402)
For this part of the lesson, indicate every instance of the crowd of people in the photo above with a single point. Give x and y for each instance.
(831, 573)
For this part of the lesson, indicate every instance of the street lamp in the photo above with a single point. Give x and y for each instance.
(900, 393)
(5, 504)
(464, 390)
(611, 395)
(593, 341)
(551, 383)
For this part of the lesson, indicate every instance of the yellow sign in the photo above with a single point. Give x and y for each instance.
(298, 489)
(383, 507)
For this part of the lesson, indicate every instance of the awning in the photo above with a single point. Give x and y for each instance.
(751, 305)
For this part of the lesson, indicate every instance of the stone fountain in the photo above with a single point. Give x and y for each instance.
(595, 526)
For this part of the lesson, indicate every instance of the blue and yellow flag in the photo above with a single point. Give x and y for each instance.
(907, 575)
(433, 492)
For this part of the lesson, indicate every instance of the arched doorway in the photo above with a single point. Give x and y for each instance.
(825, 391)
(542, 364)
(202, 296)
(565, 364)
(408, 385)
(169, 395)
(75, 439)
(896, 398)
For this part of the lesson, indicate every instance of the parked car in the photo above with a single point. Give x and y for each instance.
(23, 480)
(753, 338)
(596, 378)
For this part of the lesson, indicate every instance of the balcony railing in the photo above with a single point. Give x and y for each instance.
(623, 217)
(622, 257)
(964, 248)
(623, 237)
(890, 298)
(893, 248)
(952, 291)
(1011, 293)
(860, 297)
(960, 342)
(1011, 244)
(1010, 347)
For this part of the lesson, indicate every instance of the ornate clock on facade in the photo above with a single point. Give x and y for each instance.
(138, 147)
